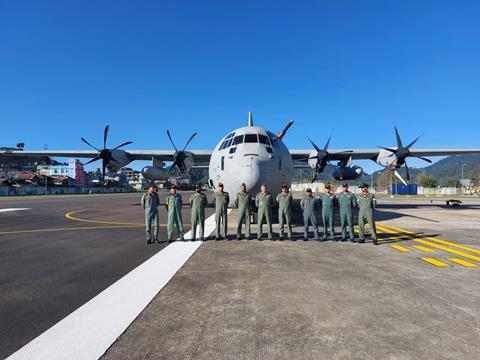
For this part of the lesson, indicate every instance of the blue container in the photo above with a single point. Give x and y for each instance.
(400, 189)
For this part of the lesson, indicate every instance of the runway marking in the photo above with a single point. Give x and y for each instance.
(463, 262)
(423, 248)
(70, 216)
(400, 248)
(63, 229)
(441, 241)
(441, 247)
(89, 331)
(13, 209)
(435, 262)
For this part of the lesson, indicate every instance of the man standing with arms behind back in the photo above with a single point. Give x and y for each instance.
(366, 204)
(347, 202)
(174, 203)
(198, 202)
(264, 201)
(284, 201)
(220, 200)
(150, 202)
(242, 203)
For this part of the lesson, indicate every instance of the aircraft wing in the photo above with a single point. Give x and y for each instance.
(338, 154)
(162, 155)
(371, 154)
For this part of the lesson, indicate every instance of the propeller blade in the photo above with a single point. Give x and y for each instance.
(399, 140)
(124, 144)
(412, 143)
(86, 142)
(392, 151)
(92, 160)
(188, 142)
(336, 170)
(424, 159)
(314, 177)
(407, 171)
(400, 178)
(105, 135)
(170, 137)
(317, 149)
(104, 165)
(328, 141)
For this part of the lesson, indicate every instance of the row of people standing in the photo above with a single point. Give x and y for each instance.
(264, 202)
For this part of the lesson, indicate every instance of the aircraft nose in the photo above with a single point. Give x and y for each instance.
(251, 175)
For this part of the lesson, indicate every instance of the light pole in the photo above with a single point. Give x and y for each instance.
(462, 169)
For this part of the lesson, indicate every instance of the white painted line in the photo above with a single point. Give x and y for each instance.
(88, 332)
(13, 209)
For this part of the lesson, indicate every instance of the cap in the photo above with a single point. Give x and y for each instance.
(364, 185)
(198, 186)
(328, 186)
(220, 185)
(173, 186)
(309, 190)
(243, 184)
(345, 185)
(284, 186)
(264, 184)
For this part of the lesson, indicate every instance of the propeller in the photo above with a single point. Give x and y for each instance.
(323, 157)
(180, 155)
(402, 153)
(104, 154)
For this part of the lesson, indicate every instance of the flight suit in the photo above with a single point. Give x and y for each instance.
(347, 202)
(264, 202)
(242, 203)
(150, 204)
(284, 201)
(174, 205)
(221, 200)
(366, 204)
(328, 210)
(198, 202)
(309, 207)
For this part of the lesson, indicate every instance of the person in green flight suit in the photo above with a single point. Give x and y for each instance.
(284, 201)
(264, 202)
(150, 202)
(198, 202)
(242, 203)
(366, 204)
(309, 205)
(347, 202)
(174, 203)
(328, 200)
(220, 200)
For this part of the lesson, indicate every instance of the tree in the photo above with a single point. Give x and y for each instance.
(451, 182)
(427, 181)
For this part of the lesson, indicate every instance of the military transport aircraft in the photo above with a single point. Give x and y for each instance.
(252, 155)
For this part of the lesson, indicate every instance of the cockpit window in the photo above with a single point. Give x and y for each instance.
(251, 138)
(229, 136)
(238, 139)
(263, 139)
(229, 143)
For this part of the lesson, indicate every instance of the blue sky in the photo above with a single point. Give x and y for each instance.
(69, 68)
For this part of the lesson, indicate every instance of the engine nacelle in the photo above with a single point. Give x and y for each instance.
(348, 173)
(121, 159)
(154, 173)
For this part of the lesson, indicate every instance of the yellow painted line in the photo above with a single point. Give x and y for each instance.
(71, 217)
(62, 229)
(423, 248)
(444, 248)
(463, 262)
(122, 224)
(440, 241)
(435, 262)
(400, 248)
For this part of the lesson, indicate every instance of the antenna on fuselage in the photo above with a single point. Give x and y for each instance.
(250, 119)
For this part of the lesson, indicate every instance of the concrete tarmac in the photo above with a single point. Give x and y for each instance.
(51, 264)
(299, 299)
